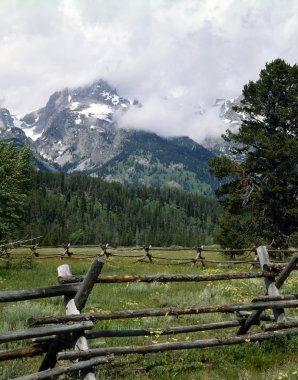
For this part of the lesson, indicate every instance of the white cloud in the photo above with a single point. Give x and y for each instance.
(173, 55)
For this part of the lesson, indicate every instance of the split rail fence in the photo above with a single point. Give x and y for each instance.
(65, 337)
(278, 257)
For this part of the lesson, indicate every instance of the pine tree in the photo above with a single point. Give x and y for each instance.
(15, 183)
(260, 191)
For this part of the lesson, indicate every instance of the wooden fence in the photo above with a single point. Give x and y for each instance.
(65, 337)
(148, 255)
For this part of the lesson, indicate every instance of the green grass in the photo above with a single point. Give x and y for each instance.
(266, 360)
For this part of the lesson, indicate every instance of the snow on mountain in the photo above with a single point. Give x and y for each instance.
(98, 111)
(8, 130)
(71, 114)
(232, 121)
(77, 131)
(29, 131)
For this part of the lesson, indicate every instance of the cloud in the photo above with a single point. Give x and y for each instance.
(169, 117)
(175, 56)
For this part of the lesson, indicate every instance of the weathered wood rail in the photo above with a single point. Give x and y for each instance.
(43, 331)
(70, 284)
(164, 311)
(72, 331)
(150, 348)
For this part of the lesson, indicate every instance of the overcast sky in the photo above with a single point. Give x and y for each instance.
(173, 55)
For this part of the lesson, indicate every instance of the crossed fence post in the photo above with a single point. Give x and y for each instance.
(272, 287)
(199, 257)
(147, 254)
(33, 249)
(74, 304)
(66, 250)
(105, 253)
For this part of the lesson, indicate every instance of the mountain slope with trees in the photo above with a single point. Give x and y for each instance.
(86, 210)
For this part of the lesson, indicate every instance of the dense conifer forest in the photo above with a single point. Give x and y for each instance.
(86, 210)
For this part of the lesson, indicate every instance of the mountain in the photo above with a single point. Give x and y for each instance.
(148, 159)
(77, 132)
(9, 133)
(232, 121)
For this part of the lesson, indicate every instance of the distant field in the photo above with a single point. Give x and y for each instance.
(267, 360)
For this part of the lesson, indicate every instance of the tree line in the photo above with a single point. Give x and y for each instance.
(86, 210)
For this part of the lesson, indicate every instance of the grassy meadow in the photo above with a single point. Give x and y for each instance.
(267, 360)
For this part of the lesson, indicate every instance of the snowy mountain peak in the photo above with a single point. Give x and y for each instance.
(86, 106)
(98, 92)
(76, 131)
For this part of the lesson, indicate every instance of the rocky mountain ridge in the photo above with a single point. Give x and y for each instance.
(77, 132)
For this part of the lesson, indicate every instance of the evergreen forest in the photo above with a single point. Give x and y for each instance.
(85, 210)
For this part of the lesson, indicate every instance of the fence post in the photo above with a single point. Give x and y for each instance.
(199, 256)
(33, 249)
(105, 252)
(271, 287)
(147, 254)
(88, 283)
(74, 305)
(286, 271)
(272, 290)
(66, 250)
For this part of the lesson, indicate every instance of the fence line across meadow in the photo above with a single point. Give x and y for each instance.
(146, 257)
(61, 331)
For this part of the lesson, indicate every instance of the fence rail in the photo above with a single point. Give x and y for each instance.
(72, 331)
(146, 257)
